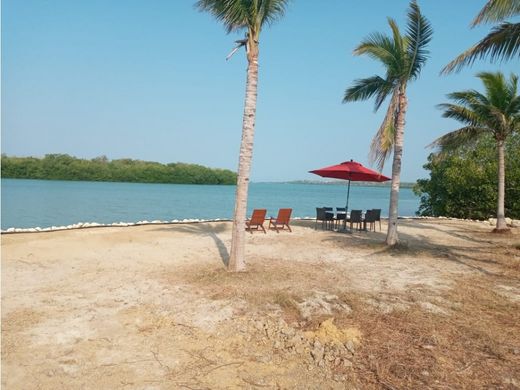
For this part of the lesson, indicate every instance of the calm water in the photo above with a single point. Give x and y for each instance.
(45, 203)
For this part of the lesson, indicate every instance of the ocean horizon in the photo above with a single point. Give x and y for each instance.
(45, 203)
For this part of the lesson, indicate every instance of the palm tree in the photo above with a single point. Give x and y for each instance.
(495, 112)
(503, 42)
(251, 16)
(403, 57)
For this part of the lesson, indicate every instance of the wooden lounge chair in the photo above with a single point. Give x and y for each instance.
(257, 220)
(281, 221)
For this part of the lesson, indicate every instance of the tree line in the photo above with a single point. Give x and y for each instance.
(463, 182)
(65, 167)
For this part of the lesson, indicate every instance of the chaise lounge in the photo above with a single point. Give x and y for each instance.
(257, 220)
(281, 221)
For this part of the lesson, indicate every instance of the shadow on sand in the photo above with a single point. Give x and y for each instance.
(474, 257)
(204, 229)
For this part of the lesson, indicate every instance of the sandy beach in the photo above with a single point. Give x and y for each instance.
(152, 307)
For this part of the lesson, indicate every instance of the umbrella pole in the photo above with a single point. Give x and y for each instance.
(348, 195)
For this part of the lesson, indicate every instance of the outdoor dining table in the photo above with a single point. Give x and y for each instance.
(338, 213)
(347, 216)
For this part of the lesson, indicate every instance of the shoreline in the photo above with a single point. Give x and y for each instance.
(186, 221)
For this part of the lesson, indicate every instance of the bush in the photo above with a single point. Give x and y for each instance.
(465, 183)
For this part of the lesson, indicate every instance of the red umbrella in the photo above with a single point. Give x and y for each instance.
(351, 171)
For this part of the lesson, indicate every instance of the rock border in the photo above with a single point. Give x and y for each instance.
(85, 225)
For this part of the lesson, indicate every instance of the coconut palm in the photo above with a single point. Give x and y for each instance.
(503, 42)
(403, 57)
(251, 16)
(496, 112)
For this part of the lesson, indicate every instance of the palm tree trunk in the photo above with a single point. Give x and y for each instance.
(501, 218)
(236, 258)
(391, 236)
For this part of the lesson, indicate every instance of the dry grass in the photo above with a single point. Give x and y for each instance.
(473, 342)
(476, 345)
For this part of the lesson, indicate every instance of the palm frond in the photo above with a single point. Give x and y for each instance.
(465, 136)
(379, 47)
(496, 111)
(384, 92)
(512, 86)
(496, 88)
(514, 107)
(240, 14)
(497, 11)
(503, 42)
(233, 14)
(459, 113)
(272, 10)
(469, 97)
(381, 145)
(363, 89)
(419, 33)
(396, 34)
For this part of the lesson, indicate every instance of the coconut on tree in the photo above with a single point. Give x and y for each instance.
(249, 16)
(502, 43)
(403, 57)
(495, 112)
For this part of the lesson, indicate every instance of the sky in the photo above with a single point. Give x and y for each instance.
(148, 80)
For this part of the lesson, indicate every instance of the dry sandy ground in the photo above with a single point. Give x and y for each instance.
(152, 307)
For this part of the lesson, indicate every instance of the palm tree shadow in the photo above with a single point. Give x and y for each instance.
(204, 229)
(477, 258)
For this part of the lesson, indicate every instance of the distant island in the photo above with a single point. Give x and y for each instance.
(65, 167)
(354, 183)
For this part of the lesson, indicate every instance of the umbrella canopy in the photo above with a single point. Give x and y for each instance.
(351, 171)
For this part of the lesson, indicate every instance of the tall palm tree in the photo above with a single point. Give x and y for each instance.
(503, 42)
(495, 112)
(251, 16)
(403, 57)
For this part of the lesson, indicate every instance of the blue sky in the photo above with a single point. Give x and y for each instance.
(148, 80)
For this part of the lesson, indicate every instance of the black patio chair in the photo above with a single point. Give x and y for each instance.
(369, 220)
(341, 215)
(355, 218)
(377, 216)
(325, 218)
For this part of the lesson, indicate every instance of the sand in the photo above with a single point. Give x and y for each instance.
(152, 307)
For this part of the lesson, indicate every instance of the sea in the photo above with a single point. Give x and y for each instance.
(47, 203)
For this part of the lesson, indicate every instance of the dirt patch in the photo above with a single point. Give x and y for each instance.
(153, 307)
